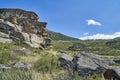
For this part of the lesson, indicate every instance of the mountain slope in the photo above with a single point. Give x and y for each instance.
(59, 36)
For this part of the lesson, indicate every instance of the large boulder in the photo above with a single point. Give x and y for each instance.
(88, 63)
(85, 63)
(17, 24)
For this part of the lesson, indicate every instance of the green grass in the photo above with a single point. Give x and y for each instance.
(47, 63)
(14, 74)
(90, 46)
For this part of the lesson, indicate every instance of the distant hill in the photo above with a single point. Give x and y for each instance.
(60, 36)
(114, 43)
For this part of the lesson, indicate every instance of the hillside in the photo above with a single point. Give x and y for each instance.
(60, 36)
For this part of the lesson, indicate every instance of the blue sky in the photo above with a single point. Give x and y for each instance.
(84, 19)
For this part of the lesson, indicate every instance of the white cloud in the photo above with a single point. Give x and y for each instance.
(85, 33)
(93, 22)
(101, 36)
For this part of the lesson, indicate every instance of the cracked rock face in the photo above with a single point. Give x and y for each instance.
(87, 63)
(17, 24)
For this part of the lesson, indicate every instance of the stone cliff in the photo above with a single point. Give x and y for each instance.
(17, 24)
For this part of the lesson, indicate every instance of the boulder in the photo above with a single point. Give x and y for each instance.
(88, 63)
(16, 65)
(85, 63)
(19, 65)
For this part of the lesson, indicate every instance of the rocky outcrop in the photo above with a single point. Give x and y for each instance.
(87, 63)
(17, 24)
(17, 65)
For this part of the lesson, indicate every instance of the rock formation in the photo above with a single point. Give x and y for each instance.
(87, 63)
(17, 24)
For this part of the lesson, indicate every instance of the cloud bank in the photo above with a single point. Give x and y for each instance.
(93, 22)
(101, 36)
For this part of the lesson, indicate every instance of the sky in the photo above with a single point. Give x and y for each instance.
(83, 19)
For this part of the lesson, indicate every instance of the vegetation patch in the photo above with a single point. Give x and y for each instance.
(47, 64)
(15, 74)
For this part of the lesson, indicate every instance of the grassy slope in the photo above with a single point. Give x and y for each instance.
(46, 69)
(93, 46)
(102, 47)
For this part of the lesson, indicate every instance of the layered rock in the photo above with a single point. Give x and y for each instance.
(87, 63)
(17, 24)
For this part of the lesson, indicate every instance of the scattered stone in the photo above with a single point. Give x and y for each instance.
(22, 51)
(20, 65)
(17, 65)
